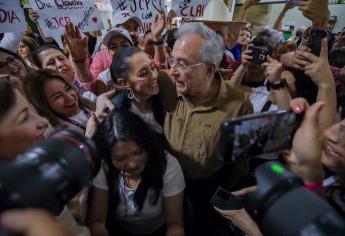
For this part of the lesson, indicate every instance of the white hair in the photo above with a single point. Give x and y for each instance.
(213, 46)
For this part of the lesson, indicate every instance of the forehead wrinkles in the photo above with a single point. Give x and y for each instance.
(189, 46)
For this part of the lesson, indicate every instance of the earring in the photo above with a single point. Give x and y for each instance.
(130, 95)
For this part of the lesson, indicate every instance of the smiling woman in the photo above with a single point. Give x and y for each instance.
(12, 64)
(20, 126)
(55, 98)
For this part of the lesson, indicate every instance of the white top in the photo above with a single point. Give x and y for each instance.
(152, 216)
(148, 118)
(258, 97)
(81, 119)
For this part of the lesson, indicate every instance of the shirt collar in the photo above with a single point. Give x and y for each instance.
(221, 97)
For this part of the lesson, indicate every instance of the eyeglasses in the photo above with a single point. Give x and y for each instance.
(180, 66)
(8, 61)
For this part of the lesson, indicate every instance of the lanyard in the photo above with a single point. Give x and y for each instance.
(76, 123)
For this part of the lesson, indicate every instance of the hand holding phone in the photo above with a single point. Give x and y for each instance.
(224, 200)
(259, 55)
(258, 135)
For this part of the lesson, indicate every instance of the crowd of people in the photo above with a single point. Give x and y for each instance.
(154, 106)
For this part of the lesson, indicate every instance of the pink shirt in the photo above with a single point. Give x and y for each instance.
(100, 62)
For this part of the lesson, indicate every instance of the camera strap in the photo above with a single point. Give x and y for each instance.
(76, 123)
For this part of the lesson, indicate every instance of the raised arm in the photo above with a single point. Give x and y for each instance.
(157, 28)
(318, 69)
(288, 5)
(315, 10)
(242, 14)
(78, 47)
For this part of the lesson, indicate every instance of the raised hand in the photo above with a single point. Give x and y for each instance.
(305, 156)
(249, 3)
(158, 25)
(246, 56)
(316, 11)
(273, 70)
(77, 45)
(317, 68)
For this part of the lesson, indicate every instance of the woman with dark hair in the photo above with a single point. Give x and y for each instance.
(139, 190)
(133, 69)
(52, 57)
(55, 98)
(20, 128)
(12, 64)
(25, 49)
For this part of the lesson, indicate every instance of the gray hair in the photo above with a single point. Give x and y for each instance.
(213, 46)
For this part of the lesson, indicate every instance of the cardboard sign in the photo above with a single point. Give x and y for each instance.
(55, 14)
(189, 9)
(146, 10)
(12, 17)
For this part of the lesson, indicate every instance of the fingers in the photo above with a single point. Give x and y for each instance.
(311, 117)
(324, 48)
(307, 55)
(244, 191)
(299, 105)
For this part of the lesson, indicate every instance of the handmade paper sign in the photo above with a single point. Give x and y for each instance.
(12, 17)
(55, 14)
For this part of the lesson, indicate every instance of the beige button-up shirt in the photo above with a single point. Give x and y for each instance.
(193, 132)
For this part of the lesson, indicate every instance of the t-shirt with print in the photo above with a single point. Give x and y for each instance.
(151, 217)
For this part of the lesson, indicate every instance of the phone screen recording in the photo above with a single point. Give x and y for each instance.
(255, 135)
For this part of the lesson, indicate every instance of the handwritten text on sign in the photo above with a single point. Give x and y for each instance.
(55, 14)
(189, 8)
(146, 10)
(11, 17)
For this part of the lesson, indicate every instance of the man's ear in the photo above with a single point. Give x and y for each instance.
(211, 69)
(122, 83)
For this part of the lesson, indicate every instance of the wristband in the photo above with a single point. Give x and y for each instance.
(314, 186)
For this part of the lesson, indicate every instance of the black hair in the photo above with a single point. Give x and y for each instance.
(35, 55)
(7, 96)
(263, 41)
(130, 127)
(13, 54)
(120, 65)
(337, 57)
(170, 38)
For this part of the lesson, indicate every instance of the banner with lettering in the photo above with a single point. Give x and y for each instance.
(189, 9)
(146, 10)
(55, 14)
(12, 17)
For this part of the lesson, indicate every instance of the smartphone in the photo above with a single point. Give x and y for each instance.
(224, 200)
(257, 136)
(315, 39)
(259, 55)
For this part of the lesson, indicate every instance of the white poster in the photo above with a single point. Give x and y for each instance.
(188, 8)
(144, 9)
(103, 5)
(55, 14)
(12, 17)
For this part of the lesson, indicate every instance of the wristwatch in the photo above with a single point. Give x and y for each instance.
(282, 84)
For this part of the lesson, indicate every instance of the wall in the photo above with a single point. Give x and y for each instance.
(295, 17)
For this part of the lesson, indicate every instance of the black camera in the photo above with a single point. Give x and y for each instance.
(49, 174)
(283, 206)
